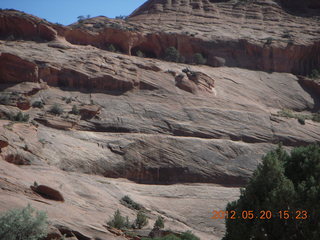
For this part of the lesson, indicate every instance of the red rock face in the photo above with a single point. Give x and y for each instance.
(24, 105)
(89, 111)
(3, 144)
(19, 25)
(15, 70)
(280, 53)
(311, 84)
(17, 159)
(148, 120)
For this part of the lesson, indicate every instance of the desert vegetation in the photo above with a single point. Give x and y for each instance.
(172, 54)
(75, 110)
(140, 54)
(287, 113)
(4, 98)
(315, 74)
(23, 224)
(111, 48)
(183, 236)
(128, 202)
(118, 221)
(56, 109)
(199, 59)
(18, 117)
(38, 104)
(159, 223)
(81, 18)
(121, 222)
(286, 186)
(123, 17)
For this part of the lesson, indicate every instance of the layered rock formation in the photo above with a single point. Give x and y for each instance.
(198, 132)
(258, 34)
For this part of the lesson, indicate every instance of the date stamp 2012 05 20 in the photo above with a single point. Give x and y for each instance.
(263, 214)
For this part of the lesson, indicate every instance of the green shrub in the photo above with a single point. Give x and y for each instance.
(75, 110)
(186, 70)
(282, 182)
(131, 234)
(172, 54)
(82, 18)
(315, 74)
(316, 117)
(23, 224)
(118, 221)
(19, 117)
(69, 100)
(56, 109)
(301, 117)
(37, 104)
(286, 113)
(184, 236)
(199, 59)
(98, 25)
(111, 48)
(182, 59)
(301, 120)
(269, 40)
(128, 202)
(4, 98)
(141, 220)
(140, 54)
(159, 223)
(287, 35)
(188, 235)
(168, 237)
(121, 17)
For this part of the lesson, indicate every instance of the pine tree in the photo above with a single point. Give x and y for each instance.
(280, 183)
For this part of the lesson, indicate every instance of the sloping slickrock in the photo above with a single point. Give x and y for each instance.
(90, 201)
(165, 134)
(138, 122)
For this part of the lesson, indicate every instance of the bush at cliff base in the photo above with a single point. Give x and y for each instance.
(23, 224)
(282, 182)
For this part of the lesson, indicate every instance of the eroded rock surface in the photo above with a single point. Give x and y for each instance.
(90, 201)
(171, 132)
(243, 34)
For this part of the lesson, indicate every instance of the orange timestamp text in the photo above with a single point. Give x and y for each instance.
(263, 214)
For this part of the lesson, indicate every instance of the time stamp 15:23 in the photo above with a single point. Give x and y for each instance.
(263, 214)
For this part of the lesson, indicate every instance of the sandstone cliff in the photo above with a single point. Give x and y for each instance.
(197, 132)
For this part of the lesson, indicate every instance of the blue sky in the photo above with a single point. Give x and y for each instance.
(67, 11)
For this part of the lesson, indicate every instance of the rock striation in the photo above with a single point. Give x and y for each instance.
(230, 33)
(125, 124)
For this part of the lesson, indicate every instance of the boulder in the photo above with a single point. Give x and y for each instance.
(24, 105)
(185, 84)
(89, 111)
(20, 158)
(48, 192)
(3, 142)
